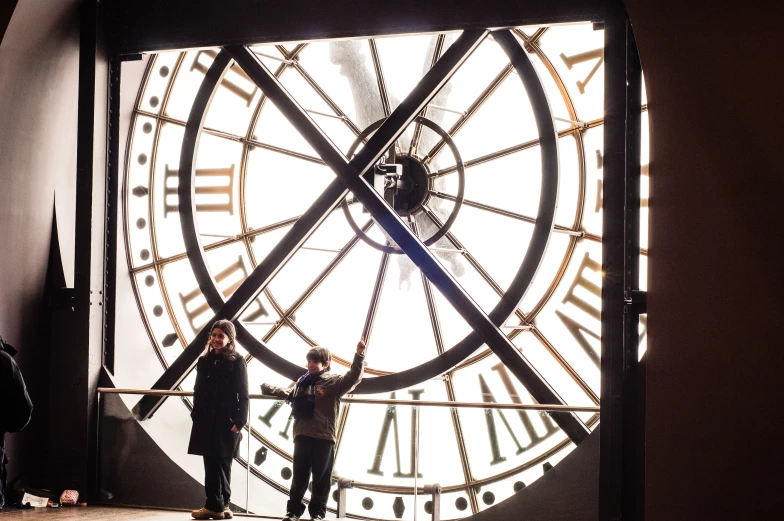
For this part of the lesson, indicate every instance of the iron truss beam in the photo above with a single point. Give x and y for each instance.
(150, 25)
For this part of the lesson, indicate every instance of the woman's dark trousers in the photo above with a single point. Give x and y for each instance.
(311, 455)
(217, 481)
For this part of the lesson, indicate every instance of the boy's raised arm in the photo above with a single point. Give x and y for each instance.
(354, 375)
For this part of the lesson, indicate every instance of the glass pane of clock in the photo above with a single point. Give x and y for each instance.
(255, 175)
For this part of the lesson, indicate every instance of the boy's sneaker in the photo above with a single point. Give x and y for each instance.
(317, 518)
(291, 517)
(227, 513)
(206, 513)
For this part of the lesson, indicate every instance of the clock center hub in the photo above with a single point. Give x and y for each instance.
(403, 184)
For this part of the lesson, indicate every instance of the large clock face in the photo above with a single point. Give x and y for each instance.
(514, 220)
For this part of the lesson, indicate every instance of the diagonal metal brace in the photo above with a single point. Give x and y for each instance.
(403, 236)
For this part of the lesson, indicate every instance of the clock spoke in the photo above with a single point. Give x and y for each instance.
(450, 388)
(240, 139)
(472, 109)
(450, 236)
(438, 48)
(326, 97)
(255, 232)
(382, 86)
(565, 364)
(488, 157)
(287, 315)
(498, 154)
(375, 298)
(341, 427)
(286, 151)
(333, 264)
(367, 329)
(506, 213)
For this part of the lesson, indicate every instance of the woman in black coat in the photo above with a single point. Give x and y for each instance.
(220, 411)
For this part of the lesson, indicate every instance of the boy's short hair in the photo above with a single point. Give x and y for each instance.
(320, 354)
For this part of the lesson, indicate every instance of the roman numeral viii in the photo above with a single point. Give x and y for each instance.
(526, 418)
(196, 307)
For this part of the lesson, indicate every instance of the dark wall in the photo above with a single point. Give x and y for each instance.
(38, 80)
(715, 283)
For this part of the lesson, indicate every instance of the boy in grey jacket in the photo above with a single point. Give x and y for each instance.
(315, 401)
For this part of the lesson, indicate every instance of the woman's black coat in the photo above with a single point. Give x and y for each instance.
(220, 400)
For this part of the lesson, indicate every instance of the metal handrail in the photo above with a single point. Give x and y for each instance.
(383, 401)
(433, 490)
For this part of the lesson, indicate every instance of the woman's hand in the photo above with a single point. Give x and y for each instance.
(361, 347)
(234, 429)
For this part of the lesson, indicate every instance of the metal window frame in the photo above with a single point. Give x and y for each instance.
(620, 295)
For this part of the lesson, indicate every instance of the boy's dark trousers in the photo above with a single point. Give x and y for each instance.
(217, 481)
(316, 456)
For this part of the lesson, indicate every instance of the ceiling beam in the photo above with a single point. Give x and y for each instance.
(136, 26)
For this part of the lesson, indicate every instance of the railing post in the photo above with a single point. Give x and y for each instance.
(416, 457)
(247, 469)
(435, 492)
(343, 485)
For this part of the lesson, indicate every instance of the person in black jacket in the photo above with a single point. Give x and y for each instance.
(220, 411)
(15, 406)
